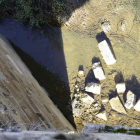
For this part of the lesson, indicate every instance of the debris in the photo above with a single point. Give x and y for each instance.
(105, 99)
(106, 53)
(93, 88)
(121, 87)
(102, 115)
(116, 105)
(137, 106)
(131, 100)
(98, 71)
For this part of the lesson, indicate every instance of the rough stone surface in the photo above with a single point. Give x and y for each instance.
(102, 115)
(93, 88)
(106, 53)
(36, 135)
(131, 100)
(98, 71)
(120, 87)
(137, 106)
(116, 105)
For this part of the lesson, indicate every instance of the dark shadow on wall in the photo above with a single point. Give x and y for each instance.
(51, 73)
(57, 89)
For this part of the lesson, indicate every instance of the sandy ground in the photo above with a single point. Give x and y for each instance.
(81, 49)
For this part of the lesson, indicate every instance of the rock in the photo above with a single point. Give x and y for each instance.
(98, 71)
(105, 26)
(88, 100)
(93, 88)
(102, 115)
(123, 25)
(137, 106)
(77, 112)
(130, 132)
(105, 99)
(81, 73)
(116, 105)
(131, 100)
(106, 53)
(121, 88)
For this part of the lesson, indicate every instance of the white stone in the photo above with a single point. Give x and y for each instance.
(106, 53)
(105, 100)
(116, 105)
(106, 26)
(98, 71)
(102, 115)
(88, 100)
(81, 73)
(137, 106)
(93, 88)
(131, 100)
(121, 88)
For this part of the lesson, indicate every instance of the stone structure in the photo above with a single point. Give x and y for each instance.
(102, 115)
(137, 106)
(98, 71)
(131, 100)
(93, 88)
(106, 26)
(120, 87)
(24, 98)
(116, 105)
(106, 53)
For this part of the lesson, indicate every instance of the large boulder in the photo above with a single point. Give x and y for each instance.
(106, 53)
(98, 71)
(93, 88)
(131, 100)
(116, 105)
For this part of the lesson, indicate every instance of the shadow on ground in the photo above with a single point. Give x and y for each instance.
(45, 46)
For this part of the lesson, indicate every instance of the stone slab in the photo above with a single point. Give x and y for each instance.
(120, 87)
(93, 88)
(131, 100)
(137, 106)
(98, 71)
(106, 53)
(116, 105)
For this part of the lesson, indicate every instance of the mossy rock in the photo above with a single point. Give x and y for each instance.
(137, 131)
(121, 130)
(131, 132)
(109, 128)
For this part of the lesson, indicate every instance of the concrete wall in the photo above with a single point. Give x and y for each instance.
(21, 94)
